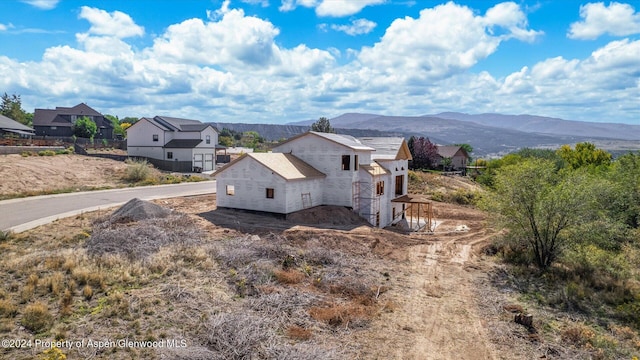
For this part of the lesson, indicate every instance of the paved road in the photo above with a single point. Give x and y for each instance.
(18, 215)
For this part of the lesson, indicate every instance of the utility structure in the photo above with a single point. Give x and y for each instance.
(420, 206)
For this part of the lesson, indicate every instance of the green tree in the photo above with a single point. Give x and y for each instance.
(11, 107)
(585, 154)
(85, 128)
(117, 127)
(538, 205)
(322, 125)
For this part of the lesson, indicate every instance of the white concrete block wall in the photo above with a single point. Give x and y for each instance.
(150, 152)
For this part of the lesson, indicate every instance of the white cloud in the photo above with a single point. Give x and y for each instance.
(42, 4)
(357, 27)
(263, 3)
(230, 67)
(116, 24)
(443, 41)
(333, 8)
(597, 19)
(3, 27)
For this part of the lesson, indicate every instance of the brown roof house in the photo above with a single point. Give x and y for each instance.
(12, 127)
(457, 154)
(316, 168)
(58, 122)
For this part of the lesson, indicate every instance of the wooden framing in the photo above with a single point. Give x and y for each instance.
(424, 209)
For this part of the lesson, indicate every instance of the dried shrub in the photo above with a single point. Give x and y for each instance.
(290, 276)
(578, 335)
(7, 309)
(144, 238)
(296, 332)
(26, 293)
(87, 292)
(238, 336)
(137, 170)
(55, 283)
(65, 303)
(37, 317)
(341, 314)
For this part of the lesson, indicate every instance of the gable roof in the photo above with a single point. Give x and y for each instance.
(177, 124)
(374, 169)
(388, 148)
(344, 140)
(53, 117)
(450, 151)
(8, 124)
(182, 143)
(287, 166)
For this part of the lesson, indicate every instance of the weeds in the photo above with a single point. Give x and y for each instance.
(137, 170)
(7, 309)
(37, 317)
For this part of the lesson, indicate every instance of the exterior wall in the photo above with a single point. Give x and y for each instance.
(459, 161)
(296, 189)
(384, 204)
(178, 154)
(141, 135)
(326, 156)
(250, 180)
(154, 152)
(64, 131)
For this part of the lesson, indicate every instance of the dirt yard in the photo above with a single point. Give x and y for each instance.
(35, 174)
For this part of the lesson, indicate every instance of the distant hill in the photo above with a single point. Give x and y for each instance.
(273, 132)
(547, 125)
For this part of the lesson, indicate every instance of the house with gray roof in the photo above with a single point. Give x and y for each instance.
(59, 122)
(174, 144)
(11, 127)
(316, 168)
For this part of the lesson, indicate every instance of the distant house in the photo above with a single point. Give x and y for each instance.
(12, 127)
(457, 154)
(314, 169)
(58, 122)
(174, 144)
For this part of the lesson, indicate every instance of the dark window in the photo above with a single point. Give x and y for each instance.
(155, 137)
(170, 155)
(269, 193)
(399, 184)
(355, 162)
(346, 162)
(380, 188)
(208, 139)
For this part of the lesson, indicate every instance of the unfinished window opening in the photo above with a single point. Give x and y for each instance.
(231, 190)
(269, 193)
(346, 162)
(169, 155)
(155, 137)
(208, 139)
(355, 162)
(378, 218)
(380, 188)
(399, 184)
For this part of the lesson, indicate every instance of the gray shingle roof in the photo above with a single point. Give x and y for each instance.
(344, 140)
(449, 151)
(183, 143)
(9, 124)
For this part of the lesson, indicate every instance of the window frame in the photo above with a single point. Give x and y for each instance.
(346, 162)
(169, 155)
(155, 137)
(207, 139)
(270, 193)
(230, 190)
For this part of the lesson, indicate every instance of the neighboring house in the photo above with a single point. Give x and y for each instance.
(314, 169)
(59, 122)
(12, 127)
(457, 154)
(174, 144)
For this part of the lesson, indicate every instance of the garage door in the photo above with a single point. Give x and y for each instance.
(197, 161)
(208, 162)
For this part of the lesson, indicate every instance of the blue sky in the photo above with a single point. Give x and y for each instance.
(276, 61)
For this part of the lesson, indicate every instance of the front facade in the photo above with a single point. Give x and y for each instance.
(59, 122)
(346, 172)
(174, 144)
(457, 154)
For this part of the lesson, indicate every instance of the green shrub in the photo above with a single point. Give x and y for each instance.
(137, 170)
(46, 153)
(37, 317)
(5, 235)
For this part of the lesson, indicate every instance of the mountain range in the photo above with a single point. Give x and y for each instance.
(488, 134)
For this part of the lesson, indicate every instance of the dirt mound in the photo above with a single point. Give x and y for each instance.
(326, 214)
(136, 210)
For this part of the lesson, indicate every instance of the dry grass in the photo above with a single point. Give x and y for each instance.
(289, 276)
(37, 317)
(7, 309)
(297, 332)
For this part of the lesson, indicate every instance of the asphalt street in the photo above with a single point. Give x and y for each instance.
(18, 215)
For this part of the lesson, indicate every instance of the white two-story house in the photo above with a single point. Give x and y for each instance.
(314, 169)
(174, 144)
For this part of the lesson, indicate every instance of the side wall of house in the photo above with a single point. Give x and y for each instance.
(140, 140)
(303, 194)
(250, 180)
(326, 156)
(387, 208)
(207, 151)
(459, 161)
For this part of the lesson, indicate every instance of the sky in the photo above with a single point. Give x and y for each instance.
(279, 61)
